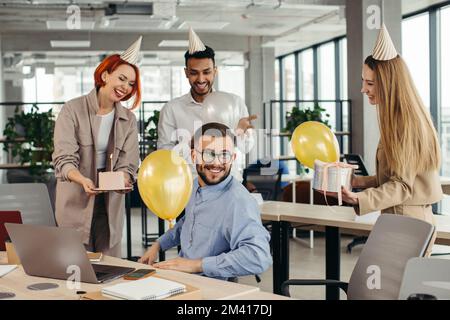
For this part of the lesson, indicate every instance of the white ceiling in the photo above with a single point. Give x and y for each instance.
(286, 25)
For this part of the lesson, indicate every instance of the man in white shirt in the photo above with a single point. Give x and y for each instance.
(180, 117)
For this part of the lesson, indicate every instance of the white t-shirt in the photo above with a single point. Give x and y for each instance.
(103, 138)
(181, 117)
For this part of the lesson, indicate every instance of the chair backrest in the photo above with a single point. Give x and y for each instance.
(31, 199)
(393, 240)
(11, 217)
(426, 276)
(356, 159)
(266, 181)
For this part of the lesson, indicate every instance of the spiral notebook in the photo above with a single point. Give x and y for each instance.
(151, 288)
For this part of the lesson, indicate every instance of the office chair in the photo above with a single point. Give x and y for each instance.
(31, 199)
(426, 276)
(393, 241)
(264, 180)
(356, 159)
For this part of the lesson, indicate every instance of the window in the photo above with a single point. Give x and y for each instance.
(289, 77)
(344, 95)
(445, 92)
(416, 52)
(306, 73)
(277, 79)
(232, 79)
(327, 81)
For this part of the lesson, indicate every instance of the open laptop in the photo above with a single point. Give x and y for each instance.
(11, 217)
(55, 252)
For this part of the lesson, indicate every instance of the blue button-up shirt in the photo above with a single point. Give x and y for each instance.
(222, 226)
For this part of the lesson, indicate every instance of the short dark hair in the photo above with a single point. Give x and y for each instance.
(213, 129)
(207, 53)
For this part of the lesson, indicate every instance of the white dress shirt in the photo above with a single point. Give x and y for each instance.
(181, 117)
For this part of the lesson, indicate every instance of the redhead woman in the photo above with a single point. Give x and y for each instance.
(94, 133)
(408, 155)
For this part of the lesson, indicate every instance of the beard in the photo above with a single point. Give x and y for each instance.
(201, 173)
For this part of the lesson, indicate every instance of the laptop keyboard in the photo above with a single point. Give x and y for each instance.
(105, 272)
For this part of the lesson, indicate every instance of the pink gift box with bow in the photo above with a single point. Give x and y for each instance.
(331, 176)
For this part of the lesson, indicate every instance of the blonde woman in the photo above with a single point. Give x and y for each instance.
(408, 155)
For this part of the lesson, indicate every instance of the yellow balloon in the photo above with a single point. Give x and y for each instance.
(165, 183)
(313, 140)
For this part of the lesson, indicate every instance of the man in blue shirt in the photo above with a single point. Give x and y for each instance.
(221, 234)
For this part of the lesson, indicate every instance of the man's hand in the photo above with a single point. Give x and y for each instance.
(150, 256)
(245, 124)
(181, 264)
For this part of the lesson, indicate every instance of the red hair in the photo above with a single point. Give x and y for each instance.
(110, 64)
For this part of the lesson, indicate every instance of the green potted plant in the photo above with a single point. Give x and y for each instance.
(299, 115)
(29, 138)
(151, 130)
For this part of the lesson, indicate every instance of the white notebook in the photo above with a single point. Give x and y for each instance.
(150, 288)
(5, 269)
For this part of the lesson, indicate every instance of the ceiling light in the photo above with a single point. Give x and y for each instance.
(174, 43)
(70, 43)
(203, 25)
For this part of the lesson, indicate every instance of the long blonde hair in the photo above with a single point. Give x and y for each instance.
(408, 135)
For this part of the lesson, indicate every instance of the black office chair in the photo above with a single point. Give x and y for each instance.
(356, 159)
(263, 180)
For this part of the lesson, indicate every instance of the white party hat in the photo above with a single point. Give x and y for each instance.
(195, 44)
(131, 55)
(384, 47)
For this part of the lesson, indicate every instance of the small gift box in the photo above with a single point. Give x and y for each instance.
(331, 176)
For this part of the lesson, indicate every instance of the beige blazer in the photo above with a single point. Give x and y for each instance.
(392, 194)
(75, 141)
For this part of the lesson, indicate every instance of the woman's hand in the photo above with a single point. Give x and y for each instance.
(347, 196)
(86, 183)
(89, 186)
(128, 184)
(356, 182)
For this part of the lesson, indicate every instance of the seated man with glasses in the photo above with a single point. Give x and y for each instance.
(221, 234)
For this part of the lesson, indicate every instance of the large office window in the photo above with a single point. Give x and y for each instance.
(416, 52)
(445, 92)
(289, 77)
(327, 81)
(232, 79)
(306, 74)
(277, 79)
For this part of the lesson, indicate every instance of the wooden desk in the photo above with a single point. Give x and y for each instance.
(332, 218)
(211, 289)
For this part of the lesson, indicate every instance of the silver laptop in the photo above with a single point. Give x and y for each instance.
(58, 253)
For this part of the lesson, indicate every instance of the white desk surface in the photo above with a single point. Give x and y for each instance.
(334, 216)
(211, 289)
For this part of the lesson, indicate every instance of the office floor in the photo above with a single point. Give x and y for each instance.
(305, 263)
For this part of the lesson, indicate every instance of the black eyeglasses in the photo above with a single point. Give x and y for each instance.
(209, 156)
